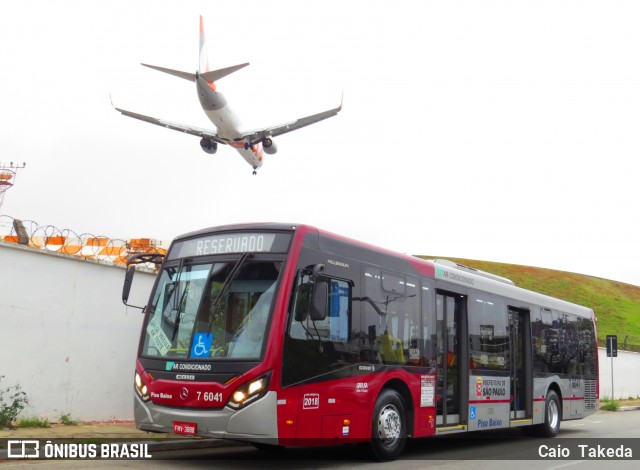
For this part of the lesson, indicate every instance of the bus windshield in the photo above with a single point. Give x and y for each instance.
(213, 310)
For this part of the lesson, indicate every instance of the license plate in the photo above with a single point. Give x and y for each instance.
(188, 429)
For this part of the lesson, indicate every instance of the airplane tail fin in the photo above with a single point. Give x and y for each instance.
(204, 55)
(203, 70)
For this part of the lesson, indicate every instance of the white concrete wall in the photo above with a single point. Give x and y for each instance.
(65, 335)
(626, 374)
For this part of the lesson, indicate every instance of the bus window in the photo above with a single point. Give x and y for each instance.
(203, 310)
(173, 310)
(391, 316)
(571, 359)
(488, 333)
(235, 308)
(543, 341)
(315, 346)
(335, 326)
(247, 341)
(429, 352)
(587, 349)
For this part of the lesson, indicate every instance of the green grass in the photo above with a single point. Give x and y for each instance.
(609, 405)
(67, 420)
(616, 304)
(33, 422)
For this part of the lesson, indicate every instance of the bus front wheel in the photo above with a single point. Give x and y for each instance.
(389, 426)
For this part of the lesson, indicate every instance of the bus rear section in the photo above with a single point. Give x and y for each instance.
(288, 335)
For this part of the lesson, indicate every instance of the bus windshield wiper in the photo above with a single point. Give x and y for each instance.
(177, 308)
(176, 304)
(227, 283)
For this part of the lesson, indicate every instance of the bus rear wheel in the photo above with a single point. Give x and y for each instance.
(552, 418)
(389, 426)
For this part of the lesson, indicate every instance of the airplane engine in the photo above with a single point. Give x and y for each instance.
(269, 146)
(209, 145)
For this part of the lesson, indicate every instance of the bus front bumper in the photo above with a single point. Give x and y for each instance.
(255, 423)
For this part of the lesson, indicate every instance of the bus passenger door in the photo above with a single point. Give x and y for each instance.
(449, 321)
(520, 338)
(320, 361)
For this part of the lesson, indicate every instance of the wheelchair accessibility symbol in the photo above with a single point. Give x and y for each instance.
(201, 345)
(472, 412)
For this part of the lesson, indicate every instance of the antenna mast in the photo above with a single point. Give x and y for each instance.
(8, 178)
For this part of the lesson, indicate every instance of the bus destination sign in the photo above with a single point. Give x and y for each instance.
(226, 243)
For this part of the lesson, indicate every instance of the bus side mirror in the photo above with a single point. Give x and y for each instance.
(155, 258)
(303, 301)
(320, 300)
(126, 287)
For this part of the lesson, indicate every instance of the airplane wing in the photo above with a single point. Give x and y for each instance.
(257, 135)
(197, 131)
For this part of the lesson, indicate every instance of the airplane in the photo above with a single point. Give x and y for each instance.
(250, 145)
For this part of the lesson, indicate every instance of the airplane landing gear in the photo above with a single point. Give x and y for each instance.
(254, 171)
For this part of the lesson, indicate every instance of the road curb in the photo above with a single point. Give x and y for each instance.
(629, 408)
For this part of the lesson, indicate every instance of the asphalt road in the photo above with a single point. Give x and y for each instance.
(492, 450)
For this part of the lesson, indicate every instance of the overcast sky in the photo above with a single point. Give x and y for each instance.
(499, 130)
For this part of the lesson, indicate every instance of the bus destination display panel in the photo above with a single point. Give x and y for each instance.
(228, 243)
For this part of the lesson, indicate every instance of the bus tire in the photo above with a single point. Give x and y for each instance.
(552, 417)
(389, 426)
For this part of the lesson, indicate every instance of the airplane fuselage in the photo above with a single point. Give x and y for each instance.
(251, 145)
(227, 124)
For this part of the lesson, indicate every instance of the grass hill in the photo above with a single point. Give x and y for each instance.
(616, 304)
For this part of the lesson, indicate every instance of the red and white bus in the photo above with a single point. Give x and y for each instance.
(286, 335)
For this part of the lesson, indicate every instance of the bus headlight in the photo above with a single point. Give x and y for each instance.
(249, 392)
(141, 387)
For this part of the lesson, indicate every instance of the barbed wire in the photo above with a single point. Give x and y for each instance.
(67, 241)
